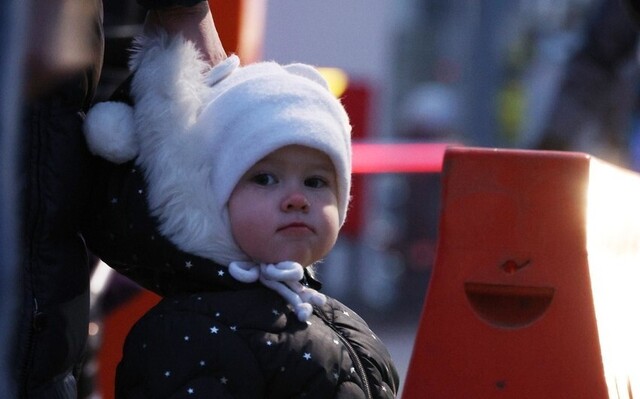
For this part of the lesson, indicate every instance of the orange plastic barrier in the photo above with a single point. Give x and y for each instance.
(533, 292)
(116, 327)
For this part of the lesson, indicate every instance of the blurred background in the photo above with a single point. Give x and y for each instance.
(533, 74)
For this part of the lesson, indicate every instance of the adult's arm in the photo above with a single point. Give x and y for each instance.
(192, 19)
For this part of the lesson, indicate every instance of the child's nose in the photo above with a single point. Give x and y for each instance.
(295, 201)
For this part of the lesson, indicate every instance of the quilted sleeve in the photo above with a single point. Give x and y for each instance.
(120, 231)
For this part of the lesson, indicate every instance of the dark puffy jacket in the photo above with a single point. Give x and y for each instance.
(212, 336)
(52, 324)
(55, 176)
(56, 173)
(245, 342)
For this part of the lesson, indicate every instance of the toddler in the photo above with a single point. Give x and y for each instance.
(220, 188)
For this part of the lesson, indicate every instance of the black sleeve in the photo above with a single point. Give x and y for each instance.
(120, 230)
(155, 4)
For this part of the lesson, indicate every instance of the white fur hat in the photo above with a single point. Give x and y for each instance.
(197, 132)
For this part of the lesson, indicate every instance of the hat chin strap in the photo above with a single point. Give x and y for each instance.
(284, 278)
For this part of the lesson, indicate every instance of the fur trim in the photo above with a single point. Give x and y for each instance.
(170, 87)
(197, 140)
(110, 133)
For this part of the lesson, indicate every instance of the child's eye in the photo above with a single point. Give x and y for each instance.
(264, 179)
(315, 182)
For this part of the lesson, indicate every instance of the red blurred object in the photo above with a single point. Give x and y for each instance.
(240, 24)
(398, 157)
(357, 101)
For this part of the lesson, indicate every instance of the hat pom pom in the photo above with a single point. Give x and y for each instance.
(110, 132)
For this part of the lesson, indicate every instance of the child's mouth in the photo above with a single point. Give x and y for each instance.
(295, 227)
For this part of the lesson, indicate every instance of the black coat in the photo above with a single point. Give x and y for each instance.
(245, 342)
(51, 326)
(56, 173)
(214, 336)
(51, 331)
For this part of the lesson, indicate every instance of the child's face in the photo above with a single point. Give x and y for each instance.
(285, 207)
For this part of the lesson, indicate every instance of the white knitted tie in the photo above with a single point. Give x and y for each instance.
(284, 278)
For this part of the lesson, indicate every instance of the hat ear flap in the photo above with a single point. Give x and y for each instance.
(222, 70)
(110, 132)
(308, 72)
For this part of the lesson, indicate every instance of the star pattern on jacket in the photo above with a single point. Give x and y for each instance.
(185, 342)
(162, 361)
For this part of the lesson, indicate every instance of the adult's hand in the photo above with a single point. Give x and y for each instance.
(195, 23)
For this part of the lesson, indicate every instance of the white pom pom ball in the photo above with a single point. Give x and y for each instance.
(110, 133)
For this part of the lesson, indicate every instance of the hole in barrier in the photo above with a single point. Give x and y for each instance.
(508, 306)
